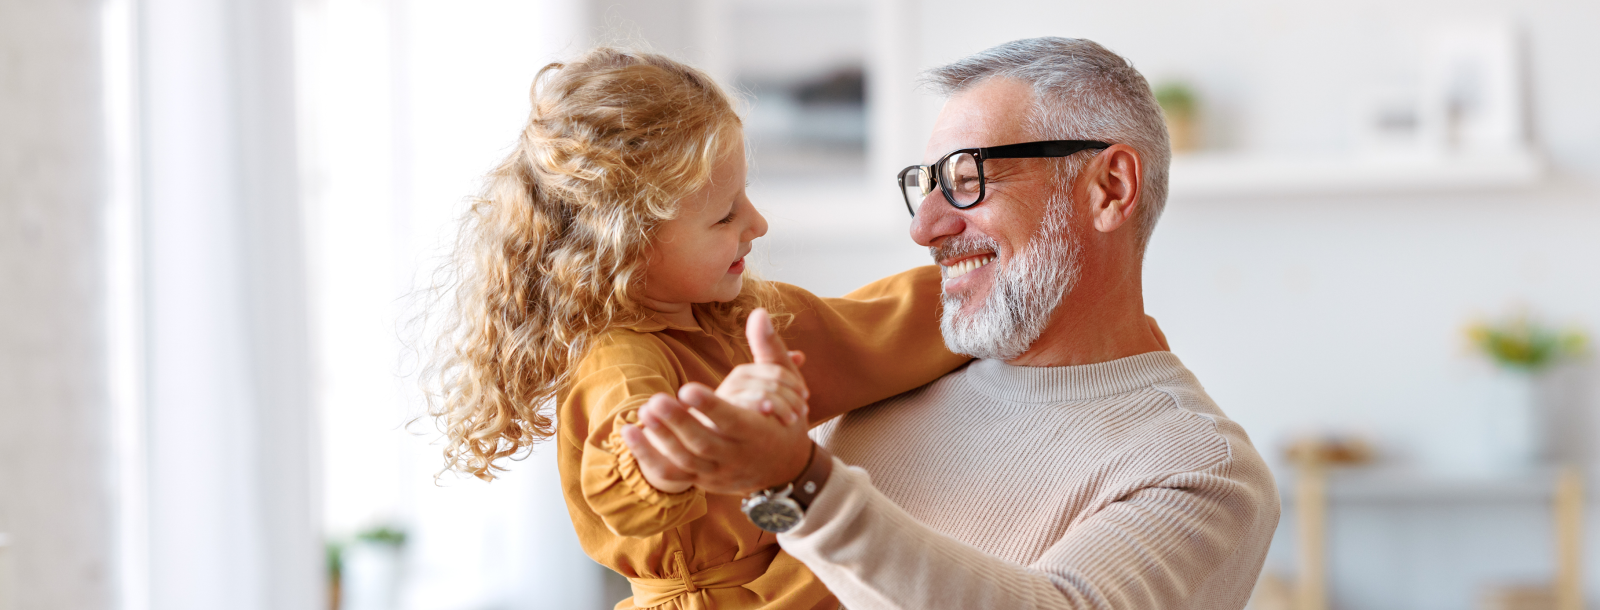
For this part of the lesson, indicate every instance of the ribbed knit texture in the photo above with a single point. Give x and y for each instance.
(1112, 485)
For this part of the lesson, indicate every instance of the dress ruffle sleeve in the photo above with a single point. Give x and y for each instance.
(611, 384)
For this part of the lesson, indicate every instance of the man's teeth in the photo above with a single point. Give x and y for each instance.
(967, 266)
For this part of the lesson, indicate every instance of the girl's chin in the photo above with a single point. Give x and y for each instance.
(730, 288)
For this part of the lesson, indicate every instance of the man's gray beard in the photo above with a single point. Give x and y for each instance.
(1025, 292)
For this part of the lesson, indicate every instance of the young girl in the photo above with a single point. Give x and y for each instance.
(603, 264)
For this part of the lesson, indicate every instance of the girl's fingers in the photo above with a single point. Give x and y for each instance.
(765, 344)
(786, 412)
(770, 399)
(773, 374)
(788, 403)
(762, 378)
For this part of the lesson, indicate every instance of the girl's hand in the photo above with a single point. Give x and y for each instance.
(721, 447)
(772, 389)
(772, 384)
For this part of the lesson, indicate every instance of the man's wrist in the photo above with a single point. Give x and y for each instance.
(808, 485)
(793, 467)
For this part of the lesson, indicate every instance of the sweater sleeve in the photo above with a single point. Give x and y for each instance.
(878, 341)
(1154, 548)
(609, 387)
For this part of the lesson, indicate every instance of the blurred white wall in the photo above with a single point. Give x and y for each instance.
(55, 494)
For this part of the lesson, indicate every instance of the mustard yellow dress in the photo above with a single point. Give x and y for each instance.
(695, 550)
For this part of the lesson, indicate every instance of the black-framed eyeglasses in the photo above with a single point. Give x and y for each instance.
(960, 173)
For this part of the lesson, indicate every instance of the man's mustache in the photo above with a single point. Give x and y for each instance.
(963, 245)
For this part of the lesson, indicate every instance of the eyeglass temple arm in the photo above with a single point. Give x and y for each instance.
(1054, 148)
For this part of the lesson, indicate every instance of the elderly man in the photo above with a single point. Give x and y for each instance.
(1076, 463)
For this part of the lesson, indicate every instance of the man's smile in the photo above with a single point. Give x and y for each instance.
(957, 268)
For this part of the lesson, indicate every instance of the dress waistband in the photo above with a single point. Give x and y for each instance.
(652, 592)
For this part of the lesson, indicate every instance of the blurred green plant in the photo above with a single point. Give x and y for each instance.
(383, 534)
(1522, 343)
(1177, 99)
(335, 554)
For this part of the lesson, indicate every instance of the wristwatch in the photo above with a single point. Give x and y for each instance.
(779, 509)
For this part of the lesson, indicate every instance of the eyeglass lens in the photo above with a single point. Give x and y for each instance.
(916, 181)
(959, 176)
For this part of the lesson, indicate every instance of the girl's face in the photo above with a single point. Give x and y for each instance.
(698, 257)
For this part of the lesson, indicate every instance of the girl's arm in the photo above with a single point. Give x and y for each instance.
(874, 343)
(613, 381)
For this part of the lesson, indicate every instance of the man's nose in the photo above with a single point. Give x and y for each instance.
(935, 220)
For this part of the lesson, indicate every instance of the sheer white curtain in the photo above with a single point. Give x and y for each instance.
(226, 413)
(405, 105)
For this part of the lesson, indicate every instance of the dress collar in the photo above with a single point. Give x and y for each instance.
(657, 323)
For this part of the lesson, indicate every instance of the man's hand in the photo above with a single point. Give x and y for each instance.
(740, 451)
(661, 474)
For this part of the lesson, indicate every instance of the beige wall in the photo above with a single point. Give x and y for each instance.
(54, 499)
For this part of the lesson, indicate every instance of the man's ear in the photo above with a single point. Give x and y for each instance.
(1114, 185)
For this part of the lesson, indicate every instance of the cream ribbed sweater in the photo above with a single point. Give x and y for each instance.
(1112, 485)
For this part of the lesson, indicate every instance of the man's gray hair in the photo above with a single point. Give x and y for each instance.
(1081, 91)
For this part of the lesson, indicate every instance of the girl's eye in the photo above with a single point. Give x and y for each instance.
(726, 219)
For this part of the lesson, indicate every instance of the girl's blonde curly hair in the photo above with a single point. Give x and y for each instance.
(553, 252)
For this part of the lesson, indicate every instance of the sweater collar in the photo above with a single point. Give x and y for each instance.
(1058, 384)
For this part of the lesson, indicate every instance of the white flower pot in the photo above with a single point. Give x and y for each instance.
(371, 577)
(1511, 426)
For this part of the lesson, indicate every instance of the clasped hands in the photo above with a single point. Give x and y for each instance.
(748, 434)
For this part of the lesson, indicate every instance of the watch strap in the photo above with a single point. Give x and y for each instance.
(811, 480)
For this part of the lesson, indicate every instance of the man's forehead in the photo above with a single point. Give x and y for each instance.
(991, 113)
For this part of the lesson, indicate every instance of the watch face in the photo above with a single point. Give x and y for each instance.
(776, 515)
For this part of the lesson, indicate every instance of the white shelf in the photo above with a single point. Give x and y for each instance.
(1225, 175)
(1363, 485)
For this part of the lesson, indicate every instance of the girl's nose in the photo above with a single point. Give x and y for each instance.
(757, 226)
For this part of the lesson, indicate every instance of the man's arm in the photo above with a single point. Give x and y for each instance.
(1191, 539)
(1170, 545)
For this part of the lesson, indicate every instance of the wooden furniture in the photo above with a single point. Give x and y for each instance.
(1311, 499)
(1311, 512)
(1569, 539)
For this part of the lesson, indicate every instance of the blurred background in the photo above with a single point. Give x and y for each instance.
(1379, 255)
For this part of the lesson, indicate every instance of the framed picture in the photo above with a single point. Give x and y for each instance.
(1472, 94)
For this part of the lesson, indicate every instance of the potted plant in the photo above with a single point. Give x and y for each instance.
(1523, 349)
(371, 569)
(1181, 107)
